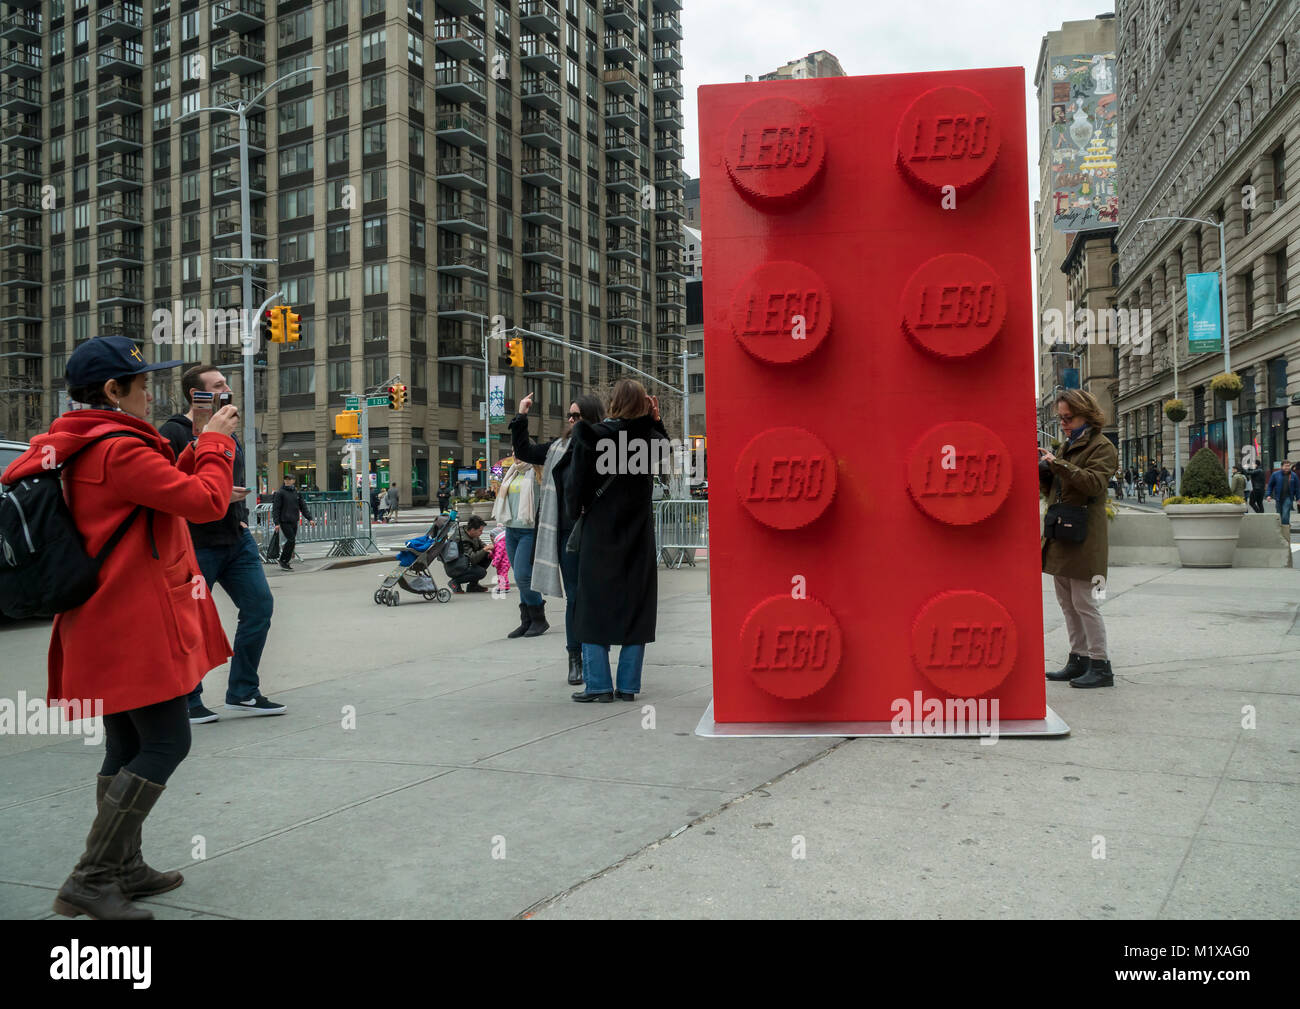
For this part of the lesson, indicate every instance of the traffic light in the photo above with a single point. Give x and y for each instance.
(392, 397)
(401, 395)
(292, 331)
(515, 348)
(348, 424)
(276, 312)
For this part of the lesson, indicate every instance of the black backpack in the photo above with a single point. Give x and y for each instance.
(44, 567)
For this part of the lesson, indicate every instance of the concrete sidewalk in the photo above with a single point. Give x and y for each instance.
(471, 785)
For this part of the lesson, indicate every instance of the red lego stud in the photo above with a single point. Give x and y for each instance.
(786, 477)
(948, 137)
(790, 647)
(781, 312)
(775, 148)
(954, 305)
(964, 643)
(959, 473)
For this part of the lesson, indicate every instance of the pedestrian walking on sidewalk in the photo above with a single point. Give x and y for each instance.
(1238, 481)
(1075, 485)
(394, 502)
(444, 497)
(617, 580)
(1258, 478)
(288, 509)
(145, 638)
(228, 556)
(554, 569)
(1284, 488)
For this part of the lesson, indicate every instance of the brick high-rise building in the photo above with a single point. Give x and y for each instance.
(449, 163)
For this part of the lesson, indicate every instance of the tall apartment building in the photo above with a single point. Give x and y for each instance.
(448, 166)
(1209, 97)
(1064, 62)
(818, 64)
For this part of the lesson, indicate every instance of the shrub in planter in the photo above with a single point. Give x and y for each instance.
(1176, 410)
(1206, 516)
(1226, 386)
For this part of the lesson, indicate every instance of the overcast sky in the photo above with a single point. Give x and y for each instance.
(727, 39)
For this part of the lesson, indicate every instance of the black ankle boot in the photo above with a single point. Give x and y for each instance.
(524, 620)
(539, 624)
(575, 668)
(1099, 674)
(1076, 666)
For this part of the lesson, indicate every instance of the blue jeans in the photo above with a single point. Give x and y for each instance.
(519, 548)
(1284, 509)
(238, 569)
(595, 668)
(569, 572)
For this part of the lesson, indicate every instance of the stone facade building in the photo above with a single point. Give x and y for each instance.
(1209, 95)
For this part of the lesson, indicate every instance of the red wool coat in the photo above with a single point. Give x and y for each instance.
(150, 632)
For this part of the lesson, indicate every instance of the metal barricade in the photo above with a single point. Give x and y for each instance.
(681, 528)
(339, 522)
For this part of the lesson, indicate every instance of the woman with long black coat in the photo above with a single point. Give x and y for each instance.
(554, 570)
(611, 486)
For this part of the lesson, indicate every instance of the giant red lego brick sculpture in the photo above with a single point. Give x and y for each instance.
(870, 396)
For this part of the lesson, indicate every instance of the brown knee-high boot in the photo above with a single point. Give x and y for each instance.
(136, 878)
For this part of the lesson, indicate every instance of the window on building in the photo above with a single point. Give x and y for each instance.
(1248, 297)
(372, 46)
(1279, 173)
(339, 327)
(1280, 277)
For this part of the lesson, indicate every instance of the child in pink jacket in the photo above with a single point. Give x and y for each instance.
(500, 560)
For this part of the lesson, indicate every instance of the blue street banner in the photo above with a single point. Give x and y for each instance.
(1070, 378)
(1204, 332)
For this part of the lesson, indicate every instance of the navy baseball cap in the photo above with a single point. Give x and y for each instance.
(106, 357)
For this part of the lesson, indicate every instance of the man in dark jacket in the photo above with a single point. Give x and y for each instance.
(287, 507)
(228, 557)
(1284, 488)
(1258, 478)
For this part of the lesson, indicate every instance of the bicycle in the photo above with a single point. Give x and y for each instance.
(1141, 490)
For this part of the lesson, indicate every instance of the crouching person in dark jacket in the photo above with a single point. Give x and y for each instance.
(618, 584)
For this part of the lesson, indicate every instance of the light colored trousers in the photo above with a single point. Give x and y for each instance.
(1082, 617)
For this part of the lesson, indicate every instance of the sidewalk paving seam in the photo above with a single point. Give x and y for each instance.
(545, 902)
(1173, 883)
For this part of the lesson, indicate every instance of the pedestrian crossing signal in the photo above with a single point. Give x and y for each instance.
(515, 348)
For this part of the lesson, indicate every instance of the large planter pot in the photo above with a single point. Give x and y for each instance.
(1206, 534)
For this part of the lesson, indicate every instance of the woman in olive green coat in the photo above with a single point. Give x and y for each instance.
(1079, 476)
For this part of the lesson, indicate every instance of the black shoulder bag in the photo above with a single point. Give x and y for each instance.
(1067, 523)
(575, 534)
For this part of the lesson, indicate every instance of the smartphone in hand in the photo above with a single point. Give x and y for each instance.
(203, 409)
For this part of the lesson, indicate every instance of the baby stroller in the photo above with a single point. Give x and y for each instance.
(414, 572)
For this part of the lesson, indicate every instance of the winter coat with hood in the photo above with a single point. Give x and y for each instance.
(150, 632)
(1079, 476)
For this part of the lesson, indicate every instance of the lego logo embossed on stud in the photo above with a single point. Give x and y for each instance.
(954, 305)
(774, 149)
(781, 312)
(948, 137)
(964, 643)
(790, 648)
(959, 472)
(785, 477)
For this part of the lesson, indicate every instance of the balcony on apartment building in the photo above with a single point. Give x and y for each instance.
(619, 14)
(623, 311)
(114, 252)
(620, 46)
(225, 137)
(670, 295)
(669, 233)
(670, 264)
(464, 216)
(21, 200)
(120, 173)
(20, 96)
(668, 5)
(537, 130)
(623, 278)
(18, 132)
(541, 169)
(459, 82)
(21, 61)
(619, 81)
(668, 87)
(667, 56)
(622, 145)
(239, 55)
(623, 210)
(462, 262)
(622, 178)
(548, 247)
(223, 227)
(668, 116)
(458, 38)
(119, 21)
(20, 168)
(539, 53)
(20, 270)
(540, 16)
(242, 16)
(17, 305)
(544, 289)
(668, 145)
(544, 319)
(463, 171)
(461, 306)
(461, 126)
(120, 210)
(19, 237)
(621, 243)
(669, 322)
(621, 112)
(543, 208)
(539, 91)
(118, 287)
(123, 57)
(542, 359)
(226, 180)
(460, 349)
(21, 27)
(670, 207)
(462, 6)
(668, 175)
(667, 28)
(119, 97)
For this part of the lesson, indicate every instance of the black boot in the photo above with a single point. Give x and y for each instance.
(575, 668)
(1099, 674)
(136, 878)
(93, 888)
(539, 624)
(524, 620)
(1076, 666)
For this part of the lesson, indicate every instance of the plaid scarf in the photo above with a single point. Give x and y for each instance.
(546, 556)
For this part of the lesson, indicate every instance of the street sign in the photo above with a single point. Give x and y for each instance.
(377, 400)
(351, 441)
(352, 403)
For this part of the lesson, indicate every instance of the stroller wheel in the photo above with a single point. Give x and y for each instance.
(379, 597)
(395, 598)
(429, 595)
(444, 595)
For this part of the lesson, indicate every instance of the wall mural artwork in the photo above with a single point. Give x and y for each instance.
(1082, 140)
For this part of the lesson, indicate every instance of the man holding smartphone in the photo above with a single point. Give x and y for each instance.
(227, 554)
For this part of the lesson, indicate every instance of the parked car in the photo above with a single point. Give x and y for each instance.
(700, 490)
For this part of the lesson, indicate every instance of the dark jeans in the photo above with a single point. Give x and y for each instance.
(289, 533)
(569, 572)
(149, 741)
(1257, 500)
(472, 576)
(238, 569)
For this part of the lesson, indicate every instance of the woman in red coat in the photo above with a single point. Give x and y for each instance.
(150, 632)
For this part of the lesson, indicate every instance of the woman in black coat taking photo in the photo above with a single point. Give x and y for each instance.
(610, 485)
